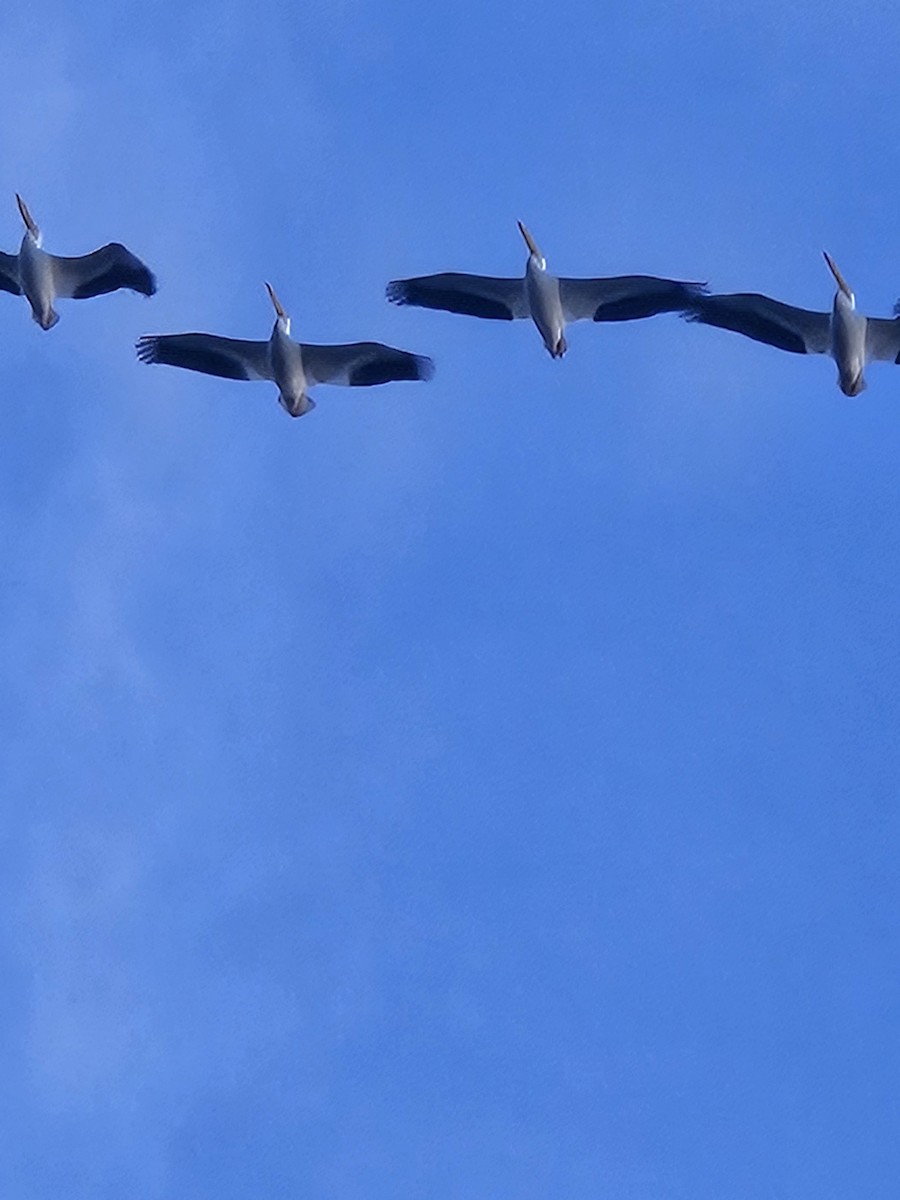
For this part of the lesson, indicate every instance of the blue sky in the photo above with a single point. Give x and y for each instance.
(480, 788)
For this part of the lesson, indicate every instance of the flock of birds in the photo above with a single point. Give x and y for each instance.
(549, 301)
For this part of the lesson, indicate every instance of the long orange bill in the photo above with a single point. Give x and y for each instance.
(26, 216)
(278, 309)
(529, 240)
(841, 281)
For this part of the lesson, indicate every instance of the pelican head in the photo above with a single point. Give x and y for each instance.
(283, 319)
(841, 282)
(28, 219)
(532, 247)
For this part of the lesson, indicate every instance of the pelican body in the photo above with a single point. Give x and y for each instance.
(291, 366)
(286, 364)
(544, 302)
(43, 278)
(36, 278)
(848, 336)
(549, 301)
(851, 339)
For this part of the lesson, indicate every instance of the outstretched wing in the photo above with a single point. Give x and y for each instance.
(624, 297)
(473, 295)
(229, 358)
(361, 364)
(105, 270)
(765, 320)
(9, 274)
(883, 339)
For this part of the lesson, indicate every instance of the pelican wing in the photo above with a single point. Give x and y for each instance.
(765, 320)
(362, 364)
(473, 295)
(883, 339)
(105, 270)
(624, 297)
(9, 274)
(228, 358)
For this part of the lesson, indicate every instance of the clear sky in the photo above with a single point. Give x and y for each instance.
(483, 788)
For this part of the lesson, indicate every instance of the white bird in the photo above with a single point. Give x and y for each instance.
(549, 301)
(851, 339)
(281, 360)
(47, 277)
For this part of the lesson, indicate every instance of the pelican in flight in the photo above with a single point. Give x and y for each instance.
(281, 360)
(851, 339)
(47, 277)
(549, 301)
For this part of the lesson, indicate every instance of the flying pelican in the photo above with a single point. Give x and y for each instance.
(851, 339)
(46, 277)
(281, 360)
(549, 301)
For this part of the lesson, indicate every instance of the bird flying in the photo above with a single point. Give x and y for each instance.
(281, 360)
(44, 278)
(549, 301)
(851, 339)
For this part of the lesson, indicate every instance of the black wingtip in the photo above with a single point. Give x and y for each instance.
(693, 289)
(896, 308)
(146, 349)
(697, 294)
(141, 279)
(424, 367)
(396, 292)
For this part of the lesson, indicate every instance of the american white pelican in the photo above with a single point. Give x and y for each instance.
(47, 277)
(281, 360)
(851, 339)
(549, 301)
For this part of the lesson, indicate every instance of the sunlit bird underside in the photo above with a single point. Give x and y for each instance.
(293, 366)
(551, 302)
(851, 339)
(45, 278)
